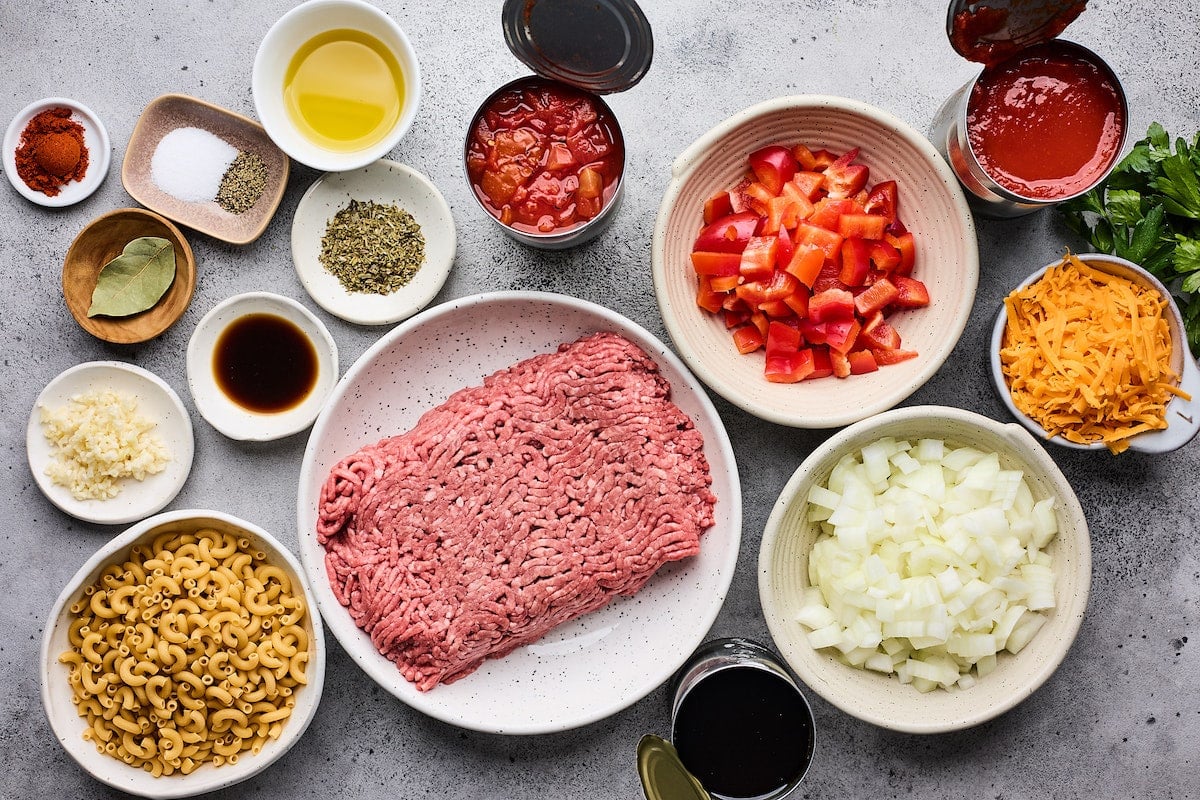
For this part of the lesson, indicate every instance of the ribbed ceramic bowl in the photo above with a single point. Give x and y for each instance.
(931, 204)
(57, 693)
(882, 699)
(1183, 414)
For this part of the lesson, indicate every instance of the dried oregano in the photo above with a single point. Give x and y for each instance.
(372, 248)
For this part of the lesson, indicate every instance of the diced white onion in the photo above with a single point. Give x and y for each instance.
(930, 562)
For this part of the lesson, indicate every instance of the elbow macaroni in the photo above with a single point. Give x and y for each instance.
(186, 653)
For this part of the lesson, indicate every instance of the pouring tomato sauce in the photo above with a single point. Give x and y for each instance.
(1046, 124)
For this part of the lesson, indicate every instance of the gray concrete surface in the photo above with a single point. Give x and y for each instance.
(1120, 718)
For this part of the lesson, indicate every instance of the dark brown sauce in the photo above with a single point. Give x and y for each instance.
(744, 732)
(265, 363)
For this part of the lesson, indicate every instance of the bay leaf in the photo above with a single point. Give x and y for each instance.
(135, 280)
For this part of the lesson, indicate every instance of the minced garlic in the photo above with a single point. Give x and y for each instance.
(98, 439)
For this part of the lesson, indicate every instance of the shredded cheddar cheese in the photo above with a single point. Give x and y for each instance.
(1087, 355)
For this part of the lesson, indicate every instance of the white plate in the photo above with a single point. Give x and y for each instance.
(157, 401)
(217, 408)
(388, 183)
(589, 668)
(95, 139)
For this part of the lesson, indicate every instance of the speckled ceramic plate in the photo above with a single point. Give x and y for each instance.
(172, 111)
(95, 139)
(156, 401)
(582, 671)
(387, 183)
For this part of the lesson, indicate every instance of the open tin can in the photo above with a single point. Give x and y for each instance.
(544, 154)
(1046, 119)
(740, 723)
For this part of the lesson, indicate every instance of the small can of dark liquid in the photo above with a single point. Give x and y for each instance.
(740, 723)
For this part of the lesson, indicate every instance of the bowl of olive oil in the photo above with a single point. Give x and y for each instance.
(336, 84)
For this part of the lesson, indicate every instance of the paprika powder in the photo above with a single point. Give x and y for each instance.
(52, 152)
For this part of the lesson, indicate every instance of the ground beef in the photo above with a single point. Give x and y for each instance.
(559, 484)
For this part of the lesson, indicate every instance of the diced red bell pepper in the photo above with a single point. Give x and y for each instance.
(865, 226)
(785, 250)
(822, 366)
(710, 263)
(735, 318)
(875, 297)
(706, 298)
(912, 293)
(774, 166)
(878, 334)
(844, 178)
(822, 159)
(738, 200)
(782, 338)
(758, 259)
(814, 332)
(724, 283)
(884, 256)
(809, 184)
(829, 241)
(883, 199)
(830, 277)
(747, 339)
(729, 234)
(906, 245)
(755, 293)
(804, 206)
(759, 320)
(782, 213)
(886, 357)
(716, 207)
(841, 334)
(862, 362)
(806, 263)
(734, 303)
(757, 196)
(804, 157)
(840, 364)
(776, 309)
(797, 301)
(828, 211)
(789, 367)
(830, 305)
(856, 261)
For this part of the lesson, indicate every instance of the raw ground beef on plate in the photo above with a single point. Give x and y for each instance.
(561, 483)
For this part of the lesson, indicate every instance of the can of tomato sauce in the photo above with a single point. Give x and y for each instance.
(544, 154)
(1046, 119)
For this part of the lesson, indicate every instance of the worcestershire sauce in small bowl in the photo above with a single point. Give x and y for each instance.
(265, 363)
(740, 723)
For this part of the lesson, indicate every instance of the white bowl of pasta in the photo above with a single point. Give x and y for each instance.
(185, 656)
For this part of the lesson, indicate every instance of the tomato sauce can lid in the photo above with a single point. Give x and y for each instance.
(990, 31)
(601, 46)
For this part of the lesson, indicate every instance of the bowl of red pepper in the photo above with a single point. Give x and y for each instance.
(814, 260)
(545, 161)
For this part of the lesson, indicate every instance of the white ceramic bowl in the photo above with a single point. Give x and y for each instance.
(931, 204)
(223, 413)
(156, 401)
(388, 183)
(286, 36)
(583, 670)
(68, 726)
(95, 139)
(1183, 416)
(881, 699)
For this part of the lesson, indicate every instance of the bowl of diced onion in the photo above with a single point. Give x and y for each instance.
(926, 569)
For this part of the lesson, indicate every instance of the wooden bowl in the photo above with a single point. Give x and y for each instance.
(102, 241)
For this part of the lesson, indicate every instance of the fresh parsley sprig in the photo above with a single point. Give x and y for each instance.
(1148, 211)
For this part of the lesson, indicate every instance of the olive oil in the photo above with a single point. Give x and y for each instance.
(344, 90)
